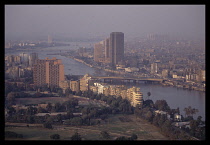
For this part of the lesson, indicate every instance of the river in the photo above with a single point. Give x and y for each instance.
(175, 97)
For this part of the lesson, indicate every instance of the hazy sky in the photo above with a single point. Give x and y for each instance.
(94, 20)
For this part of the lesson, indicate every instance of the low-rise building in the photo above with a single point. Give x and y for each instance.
(135, 96)
(75, 85)
(84, 83)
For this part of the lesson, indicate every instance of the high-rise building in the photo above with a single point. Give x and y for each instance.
(99, 52)
(155, 67)
(107, 50)
(49, 39)
(48, 71)
(24, 58)
(116, 47)
(32, 58)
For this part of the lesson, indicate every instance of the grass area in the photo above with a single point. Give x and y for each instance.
(24, 101)
(114, 127)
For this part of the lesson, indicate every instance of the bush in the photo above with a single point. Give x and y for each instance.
(47, 125)
(55, 136)
(10, 134)
(76, 136)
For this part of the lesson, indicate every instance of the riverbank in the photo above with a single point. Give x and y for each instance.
(165, 83)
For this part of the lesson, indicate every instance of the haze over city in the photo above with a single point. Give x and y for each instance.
(105, 72)
(35, 21)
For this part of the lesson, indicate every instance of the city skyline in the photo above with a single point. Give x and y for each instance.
(27, 21)
(110, 72)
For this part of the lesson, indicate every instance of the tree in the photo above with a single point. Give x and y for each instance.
(76, 136)
(166, 127)
(11, 98)
(47, 125)
(30, 119)
(193, 126)
(69, 114)
(105, 135)
(199, 120)
(55, 136)
(133, 137)
(149, 116)
(68, 92)
(162, 105)
(76, 121)
(121, 138)
(190, 111)
(148, 94)
(194, 111)
(148, 103)
(10, 134)
(31, 110)
(49, 107)
(58, 107)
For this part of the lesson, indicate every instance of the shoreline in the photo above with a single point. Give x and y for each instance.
(117, 72)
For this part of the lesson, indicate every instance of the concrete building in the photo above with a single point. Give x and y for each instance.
(100, 88)
(107, 50)
(49, 39)
(24, 58)
(75, 85)
(155, 67)
(84, 83)
(13, 72)
(99, 55)
(116, 52)
(165, 73)
(135, 96)
(65, 84)
(17, 59)
(48, 71)
(32, 58)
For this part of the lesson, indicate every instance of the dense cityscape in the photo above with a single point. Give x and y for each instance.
(30, 77)
(104, 72)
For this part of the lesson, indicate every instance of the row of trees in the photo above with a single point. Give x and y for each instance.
(117, 104)
(165, 124)
(11, 134)
(103, 135)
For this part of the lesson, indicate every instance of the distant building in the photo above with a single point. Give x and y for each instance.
(49, 39)
(116, 46)
(165, 73)
(17, 59)
(32, 58)
(75, 85)
(84, 83)
(48, 71)
(201, 76)
(13, 72)
(99, 52)
(135, 96)
(155, 67)
(107, 50)
(110, 50)
(64, 85)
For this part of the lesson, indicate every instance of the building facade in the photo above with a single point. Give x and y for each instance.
(116, 52)
(32, 58)
(99, 52)
(84, 83)
(135, 96)
(75, 85)
(48, 71)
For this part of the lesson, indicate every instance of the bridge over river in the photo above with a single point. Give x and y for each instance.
(128, 79)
